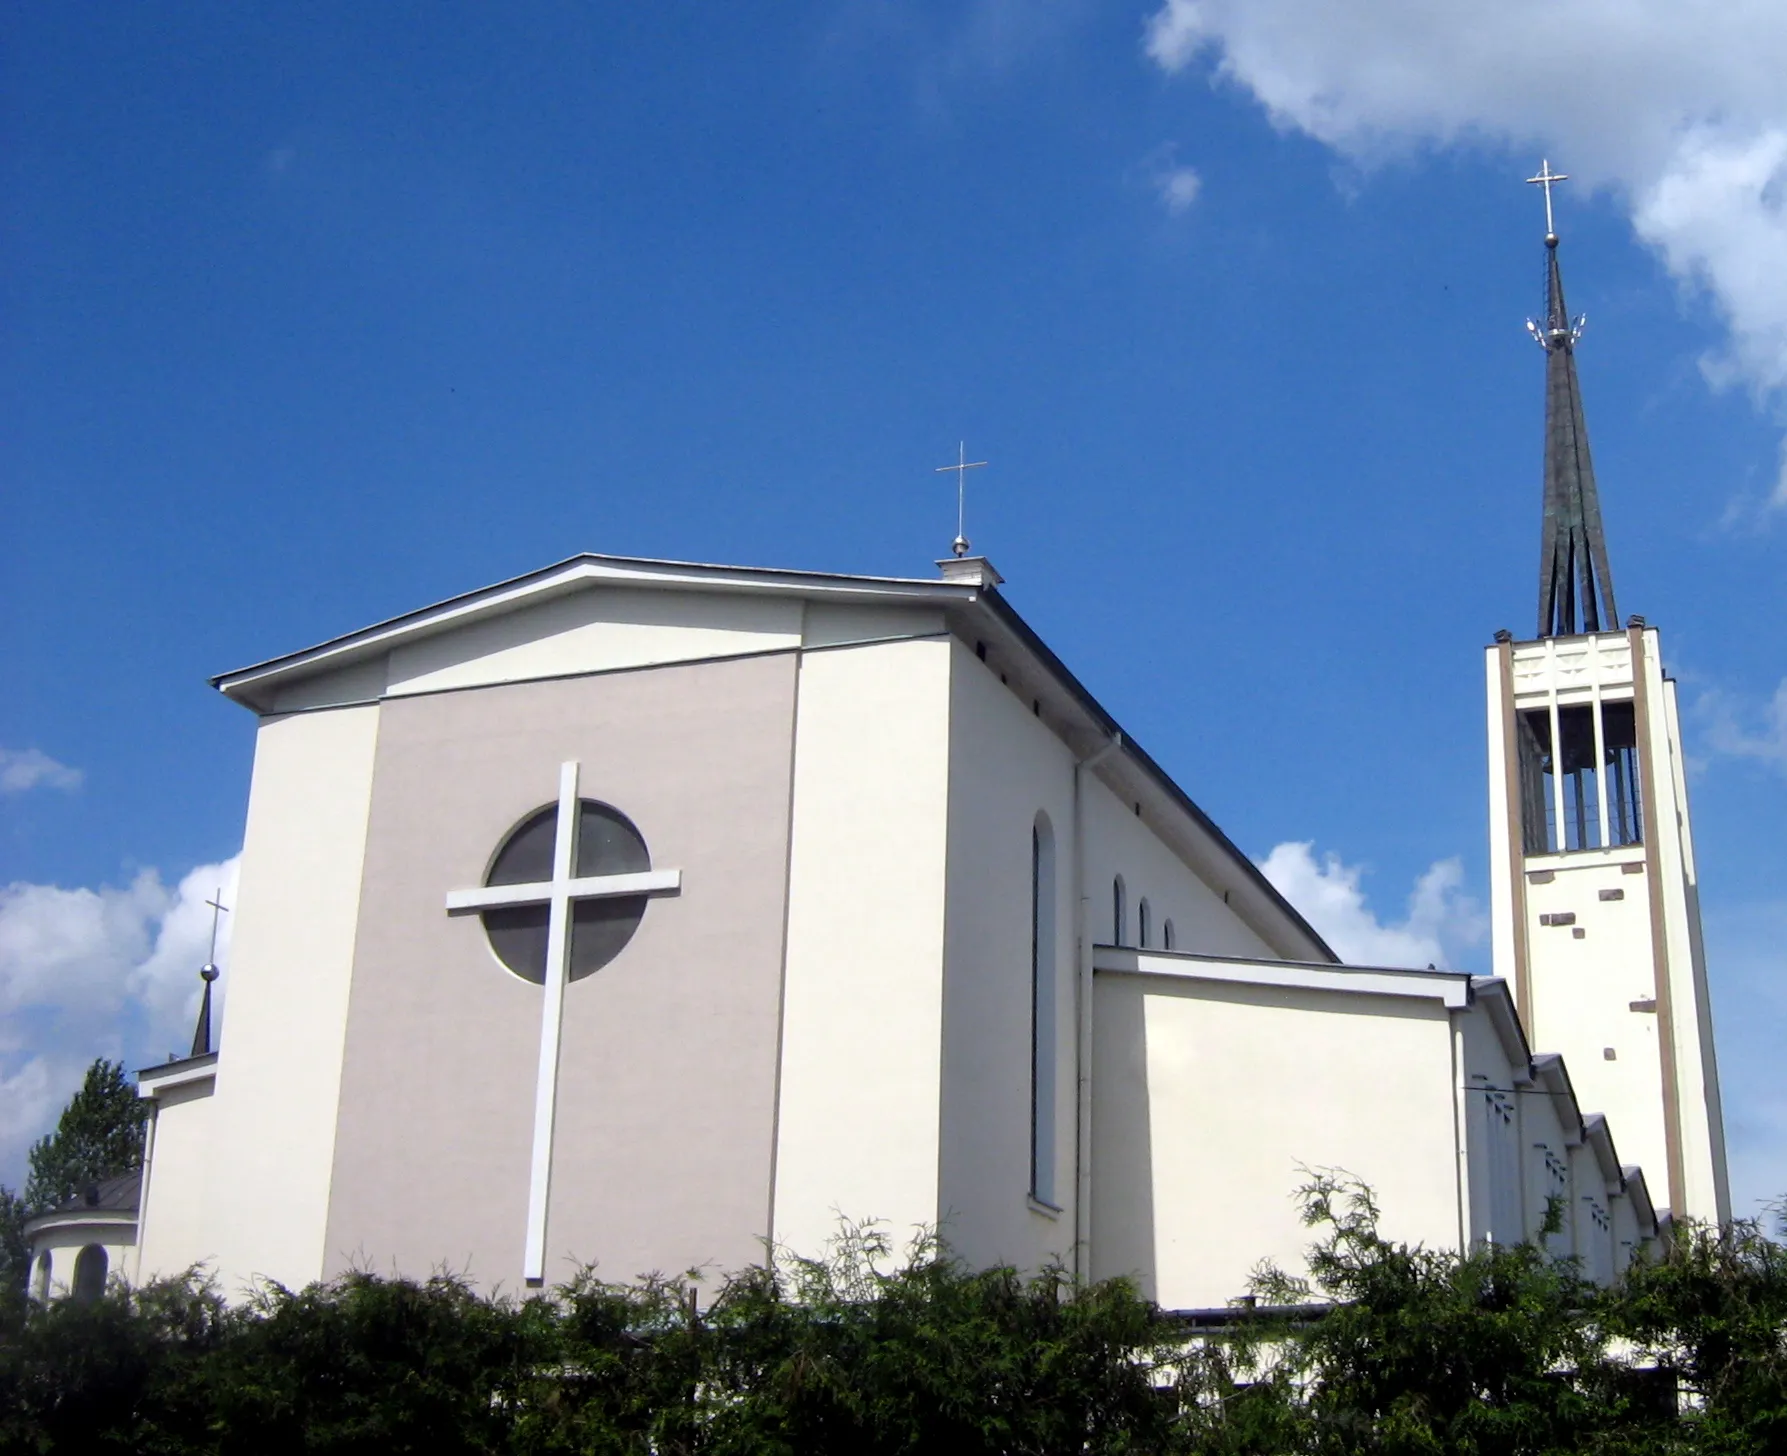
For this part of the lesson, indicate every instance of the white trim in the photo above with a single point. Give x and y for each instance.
(591, 887)
(552, 1015)
(111, 1218)
(580, 571)
(153, 1081)
(1451, 989)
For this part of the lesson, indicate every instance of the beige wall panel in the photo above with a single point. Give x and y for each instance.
(181, 1225)
(1005, 767)
(290, 964)
(596, 629)
(830, 624)
(666, 1088)
(862, 1040)
(1206, 1099)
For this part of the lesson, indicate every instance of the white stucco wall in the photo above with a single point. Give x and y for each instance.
(1707, 1194)
(1546, 1147)
(180, 1223)
(284, 1022)
(1585, 987)
(1119, 842)
(859, 1099)
(1209, 1098)
(64, 1245)
(1006, 766)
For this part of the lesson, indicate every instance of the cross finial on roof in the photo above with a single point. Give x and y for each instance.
(201, 1034)
(1545, 179)
(961, 468)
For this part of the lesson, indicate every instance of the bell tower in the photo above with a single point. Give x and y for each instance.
(1595, 895)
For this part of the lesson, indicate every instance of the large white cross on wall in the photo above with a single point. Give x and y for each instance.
(558, 894)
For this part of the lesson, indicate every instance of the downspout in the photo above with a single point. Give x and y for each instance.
(150, 1124)
(1461, 1144)
(1082, 1219)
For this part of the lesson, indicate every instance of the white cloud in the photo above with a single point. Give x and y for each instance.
(84, 973)
(1676, 107)
(1739, 731)
(23, 769)
(1178, 188)
(1441, 922)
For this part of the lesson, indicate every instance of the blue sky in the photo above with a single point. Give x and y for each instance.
(316, 315)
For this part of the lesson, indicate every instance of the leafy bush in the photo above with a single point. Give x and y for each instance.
(1380, 1348)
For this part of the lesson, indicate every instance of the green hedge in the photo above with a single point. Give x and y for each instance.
(1501, 1351)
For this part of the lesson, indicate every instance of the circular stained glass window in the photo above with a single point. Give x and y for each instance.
(607, 844)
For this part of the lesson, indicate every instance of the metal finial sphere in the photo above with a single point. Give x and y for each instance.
(959, 546)
(208, 972)
(1551, 240)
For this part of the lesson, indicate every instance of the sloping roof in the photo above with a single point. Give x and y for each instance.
(107, 1198)
(974, 608)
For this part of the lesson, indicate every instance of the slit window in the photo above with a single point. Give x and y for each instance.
(1119, 911)
(1043, 972)
(1144, 924)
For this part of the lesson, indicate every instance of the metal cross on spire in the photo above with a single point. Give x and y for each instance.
(962, 466)
(217, 908)
(1575, 580)
(1545, 179)
(201, 1033)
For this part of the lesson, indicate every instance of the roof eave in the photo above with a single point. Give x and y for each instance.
(248, 685)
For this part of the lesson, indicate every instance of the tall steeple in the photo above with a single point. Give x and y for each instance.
(1594, 894)
(1575, 582)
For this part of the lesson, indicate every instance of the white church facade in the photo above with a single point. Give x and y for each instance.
(649, 915)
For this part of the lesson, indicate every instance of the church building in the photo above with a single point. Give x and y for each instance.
(650, 915)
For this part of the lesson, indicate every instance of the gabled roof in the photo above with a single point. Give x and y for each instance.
(975, 611)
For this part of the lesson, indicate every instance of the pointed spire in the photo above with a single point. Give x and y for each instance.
(201, 1033)
(1575, 581)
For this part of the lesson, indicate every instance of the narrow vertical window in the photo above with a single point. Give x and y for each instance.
(41, 1289)
(1168, 939)
(1119, 911)
(1144, 924)
(1044, 973)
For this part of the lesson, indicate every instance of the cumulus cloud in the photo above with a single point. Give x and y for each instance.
(1676, 108)
(1441, 922)
(1738, 730)
(1178, 188)
(23, 769)
(96, 972)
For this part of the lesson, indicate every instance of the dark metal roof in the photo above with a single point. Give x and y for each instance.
(1575, 582)
(122, 1194)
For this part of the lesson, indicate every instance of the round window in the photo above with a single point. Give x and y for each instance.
(607, 844)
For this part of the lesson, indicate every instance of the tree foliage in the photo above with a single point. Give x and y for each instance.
(98, 1136)
(1381, 1348)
